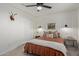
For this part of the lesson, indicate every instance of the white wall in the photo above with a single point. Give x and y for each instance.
(78, 25)
(62, 18)
(13, 33)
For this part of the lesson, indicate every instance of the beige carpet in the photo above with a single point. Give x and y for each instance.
(19, 52)
(16, 52)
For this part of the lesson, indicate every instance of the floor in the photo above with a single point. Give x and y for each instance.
(19, 52)
(72, 51)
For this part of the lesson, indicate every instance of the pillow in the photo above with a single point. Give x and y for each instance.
(50, 35)
(56, 34)
(43, 37)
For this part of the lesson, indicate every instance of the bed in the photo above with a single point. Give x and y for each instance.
(45, 46)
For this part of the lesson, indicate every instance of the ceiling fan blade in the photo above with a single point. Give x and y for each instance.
(46, 6)
(30, 5)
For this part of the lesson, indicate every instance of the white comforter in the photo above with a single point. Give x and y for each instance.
(55, 45)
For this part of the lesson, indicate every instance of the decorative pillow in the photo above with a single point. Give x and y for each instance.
(56, 34)
(50, 35)
(43, 37)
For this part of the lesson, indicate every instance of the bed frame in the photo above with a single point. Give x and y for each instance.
(41, 50)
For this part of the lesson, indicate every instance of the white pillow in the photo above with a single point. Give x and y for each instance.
(50, 35)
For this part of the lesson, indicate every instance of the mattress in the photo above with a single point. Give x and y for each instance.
(50, 44)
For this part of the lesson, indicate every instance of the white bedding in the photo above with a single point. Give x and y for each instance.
(55, 45)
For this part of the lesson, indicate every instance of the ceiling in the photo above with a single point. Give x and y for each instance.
(56, 7)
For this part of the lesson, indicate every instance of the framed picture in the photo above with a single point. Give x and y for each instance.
(51, 25)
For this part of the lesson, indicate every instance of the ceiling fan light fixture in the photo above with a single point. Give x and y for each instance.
(39, 8)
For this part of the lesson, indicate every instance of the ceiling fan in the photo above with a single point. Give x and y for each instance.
(39, 6)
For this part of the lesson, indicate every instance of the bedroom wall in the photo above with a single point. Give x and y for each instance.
(13, 33)
(61, 18)
(78, 25)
